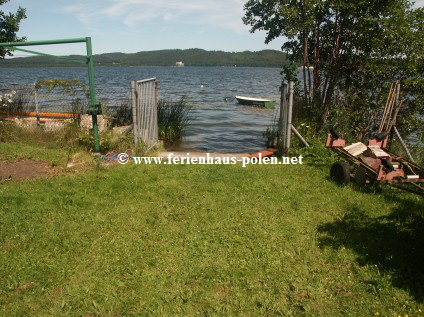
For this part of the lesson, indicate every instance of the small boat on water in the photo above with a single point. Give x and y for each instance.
(253, 101)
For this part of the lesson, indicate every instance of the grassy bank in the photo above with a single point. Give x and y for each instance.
(208, 240)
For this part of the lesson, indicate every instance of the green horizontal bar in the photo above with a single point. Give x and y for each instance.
(49, 42)
(49, 55)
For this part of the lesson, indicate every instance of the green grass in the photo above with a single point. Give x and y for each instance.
(208, 240)
(16, 151)
(56, 147)
(38, 144)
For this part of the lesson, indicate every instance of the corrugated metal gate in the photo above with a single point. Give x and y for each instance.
(145, 111)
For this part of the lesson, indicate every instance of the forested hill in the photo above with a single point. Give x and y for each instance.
(190, 57)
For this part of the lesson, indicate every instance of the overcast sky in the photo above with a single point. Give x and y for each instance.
(131, 26)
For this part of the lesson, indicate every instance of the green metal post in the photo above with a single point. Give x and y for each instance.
(49, 55)
(50, 42)
(94, 109)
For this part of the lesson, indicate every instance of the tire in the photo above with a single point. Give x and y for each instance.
(360, 176)
(340, 173)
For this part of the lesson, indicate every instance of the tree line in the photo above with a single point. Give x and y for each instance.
(190, 57)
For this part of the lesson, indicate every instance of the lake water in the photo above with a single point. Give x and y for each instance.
(217, 122)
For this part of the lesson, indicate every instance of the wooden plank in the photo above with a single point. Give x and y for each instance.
(378, 152)
(356, 149)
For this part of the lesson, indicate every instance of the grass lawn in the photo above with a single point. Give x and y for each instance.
(15, 151)
(209, 240)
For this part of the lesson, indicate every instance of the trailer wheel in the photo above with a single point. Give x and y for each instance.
(360, 176)
(340, 173)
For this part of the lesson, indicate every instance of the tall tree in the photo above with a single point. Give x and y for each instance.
(9, 26)
(353, 45)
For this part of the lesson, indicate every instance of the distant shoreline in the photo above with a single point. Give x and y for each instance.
(82, 66)
(190, 57)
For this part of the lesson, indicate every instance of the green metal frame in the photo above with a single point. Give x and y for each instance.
(94, 108)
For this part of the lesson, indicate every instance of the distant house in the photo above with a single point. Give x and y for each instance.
(179, 64)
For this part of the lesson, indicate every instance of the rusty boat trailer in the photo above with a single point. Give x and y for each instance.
(373, 164)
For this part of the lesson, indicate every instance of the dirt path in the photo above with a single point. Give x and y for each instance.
(25, 169)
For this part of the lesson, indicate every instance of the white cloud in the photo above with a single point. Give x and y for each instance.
(221, 13)
(83, 11)
(224, 14)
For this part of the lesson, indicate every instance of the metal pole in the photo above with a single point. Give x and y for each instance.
(93, 102)
(155, 118)
(49, 42)
(50, 55)
(397, 93)
(37, 108)
(405, 147)
(134, 110)
(282, 121)
(299, 135)
(289, 115)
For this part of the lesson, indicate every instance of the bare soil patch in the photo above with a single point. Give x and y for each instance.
(25, 169)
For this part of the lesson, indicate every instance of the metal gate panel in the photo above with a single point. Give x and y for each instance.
(145, 114)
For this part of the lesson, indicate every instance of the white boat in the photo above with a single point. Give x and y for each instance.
(263, 102)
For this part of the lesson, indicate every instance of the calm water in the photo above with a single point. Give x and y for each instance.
(216, 124)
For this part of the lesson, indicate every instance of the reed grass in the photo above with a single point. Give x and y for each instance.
(173, 117)
(21, 101)
(121, 115)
